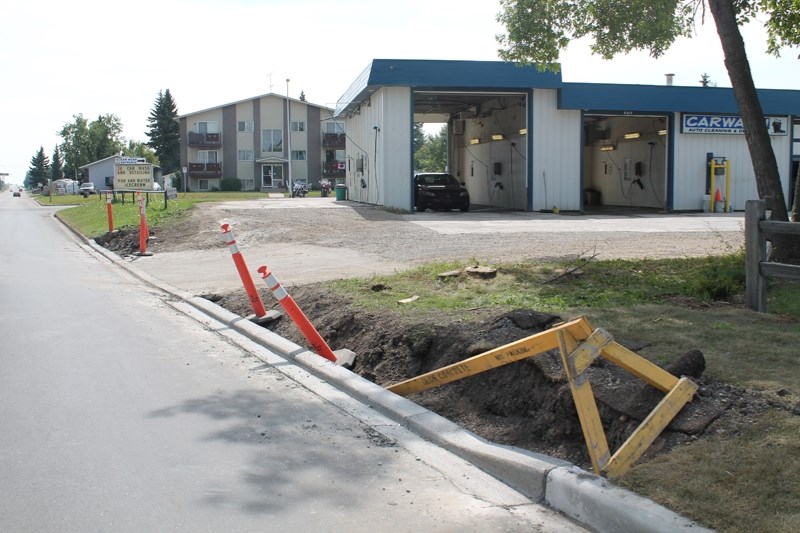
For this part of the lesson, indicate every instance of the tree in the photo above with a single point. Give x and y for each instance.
(705, 80)
(164, 132)
(418, 135)
(56, 165)
(105, 137)
(140, 149)
(39, 169)
(75, 147)
(538, 29)
(432, 155)
(86, 142)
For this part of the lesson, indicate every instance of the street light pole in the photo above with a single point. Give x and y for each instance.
(288, 137)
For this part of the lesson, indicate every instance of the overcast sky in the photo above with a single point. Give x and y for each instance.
(60, 58)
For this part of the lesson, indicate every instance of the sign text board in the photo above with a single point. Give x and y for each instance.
(137, 176)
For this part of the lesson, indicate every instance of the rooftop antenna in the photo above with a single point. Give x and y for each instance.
(270, 81)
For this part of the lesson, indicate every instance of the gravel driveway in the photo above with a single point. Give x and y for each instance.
(314, 239)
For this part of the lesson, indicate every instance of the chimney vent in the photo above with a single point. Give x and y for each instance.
(669, 78)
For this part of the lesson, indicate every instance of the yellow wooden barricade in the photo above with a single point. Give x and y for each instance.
(579, 344)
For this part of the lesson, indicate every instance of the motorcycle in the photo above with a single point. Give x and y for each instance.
(325, 188)
(299, 190)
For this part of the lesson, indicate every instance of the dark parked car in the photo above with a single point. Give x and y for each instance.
(439, 190)
(16, 193)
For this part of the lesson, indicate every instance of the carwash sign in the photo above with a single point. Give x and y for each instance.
(727, 124)
(133, 173)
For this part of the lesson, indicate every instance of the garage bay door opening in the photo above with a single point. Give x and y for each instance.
(625, 161)
(486, 145)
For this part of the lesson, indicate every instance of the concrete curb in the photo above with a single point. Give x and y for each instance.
(586, 498)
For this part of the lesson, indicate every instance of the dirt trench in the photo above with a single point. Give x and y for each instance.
(527, 404)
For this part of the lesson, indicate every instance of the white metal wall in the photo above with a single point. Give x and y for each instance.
(613, 174)
(494, 171)
(379, 150)
(690, 167)
(556, 154)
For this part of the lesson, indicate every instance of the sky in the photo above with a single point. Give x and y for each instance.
(59, 59)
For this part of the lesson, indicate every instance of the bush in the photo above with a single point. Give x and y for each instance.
(230, 184)
(717, 278)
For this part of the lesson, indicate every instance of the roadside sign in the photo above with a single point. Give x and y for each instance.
(137, 176)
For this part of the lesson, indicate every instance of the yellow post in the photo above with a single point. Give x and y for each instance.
(652, 426)
(727, 185)
(582, 395)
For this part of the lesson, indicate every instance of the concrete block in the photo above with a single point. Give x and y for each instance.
(602, 506)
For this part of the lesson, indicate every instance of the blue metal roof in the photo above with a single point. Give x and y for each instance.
(444, 75)
(610, 97)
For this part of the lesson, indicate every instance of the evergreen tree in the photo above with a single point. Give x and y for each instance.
(39, 169)
(56, 165)
(164, 132)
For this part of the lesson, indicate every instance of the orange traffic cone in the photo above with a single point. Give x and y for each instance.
(718, 197)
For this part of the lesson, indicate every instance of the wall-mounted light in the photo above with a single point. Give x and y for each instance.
(632, 135)
(497, 136)
(607, 148)
(662, 132)
(475, 140)
(523, 131)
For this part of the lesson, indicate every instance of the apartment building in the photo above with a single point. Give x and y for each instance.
(267, 142)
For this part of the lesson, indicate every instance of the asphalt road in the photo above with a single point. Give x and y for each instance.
(121, 413)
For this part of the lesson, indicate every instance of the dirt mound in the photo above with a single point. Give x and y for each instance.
(527, 404)
(123, 242)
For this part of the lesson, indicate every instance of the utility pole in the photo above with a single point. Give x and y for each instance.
(288, 137)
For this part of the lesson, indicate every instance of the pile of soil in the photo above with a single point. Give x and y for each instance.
(527, 404)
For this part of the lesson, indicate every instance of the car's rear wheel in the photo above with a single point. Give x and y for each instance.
(464, 208)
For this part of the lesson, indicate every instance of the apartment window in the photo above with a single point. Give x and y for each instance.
(207, 127)
(298, 126)
(271, 141)
(298, 155)
(334, 127)
(202, 185)
(246, 155)
(244, 126)
(207, 156)
(248, 184)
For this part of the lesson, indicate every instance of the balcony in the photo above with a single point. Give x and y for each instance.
(205, 140)
(334, 140)
(334, 169)
(205, 170)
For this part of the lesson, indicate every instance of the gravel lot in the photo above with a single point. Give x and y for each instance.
(325, 231)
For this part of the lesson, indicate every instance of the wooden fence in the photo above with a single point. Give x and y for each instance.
(757, 231)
